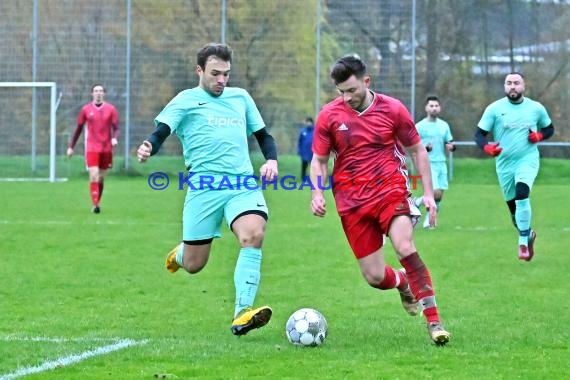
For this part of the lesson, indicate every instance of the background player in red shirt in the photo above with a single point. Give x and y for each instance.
(101, 135)
(366, 132)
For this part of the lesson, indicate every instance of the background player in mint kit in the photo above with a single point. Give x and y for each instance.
(101, 121)
(366, 131)
(213, 123)
(436, 137)
(517, 123)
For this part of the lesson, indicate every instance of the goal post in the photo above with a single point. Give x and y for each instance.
(11, 123)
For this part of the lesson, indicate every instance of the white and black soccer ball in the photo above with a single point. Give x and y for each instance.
(306, 327)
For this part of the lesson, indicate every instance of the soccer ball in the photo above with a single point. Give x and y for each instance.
(306, 327)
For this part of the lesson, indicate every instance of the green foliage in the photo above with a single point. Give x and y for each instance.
(474, 44)
(91, 279)
(275, 46)
(81, 42)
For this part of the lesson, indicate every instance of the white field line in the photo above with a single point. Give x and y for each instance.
(21, 338)
(72, 359)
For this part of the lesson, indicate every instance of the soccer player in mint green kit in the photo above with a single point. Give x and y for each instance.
(213, 123)
(436, 137)
(517, 123)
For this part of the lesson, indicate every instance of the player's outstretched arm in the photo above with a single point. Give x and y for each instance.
(151, 145)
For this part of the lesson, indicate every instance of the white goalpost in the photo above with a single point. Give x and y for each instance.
(18, 128)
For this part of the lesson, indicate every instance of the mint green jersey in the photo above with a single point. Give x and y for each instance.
(213, 130)
(510, 125)
(437, 133)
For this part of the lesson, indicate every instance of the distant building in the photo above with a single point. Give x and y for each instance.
(500, 61)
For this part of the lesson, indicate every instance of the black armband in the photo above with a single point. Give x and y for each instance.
(480, 137)
(157, 137)
(266, 143)
(547, 132)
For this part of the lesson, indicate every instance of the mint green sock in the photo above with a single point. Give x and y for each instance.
(523, 214)
(246, 277)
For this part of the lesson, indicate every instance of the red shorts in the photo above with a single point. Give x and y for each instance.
(103, 160)
(365, 227)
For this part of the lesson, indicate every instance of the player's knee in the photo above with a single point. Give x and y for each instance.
(522, 191)
(404, 248)
(373, 276)
(252, 238)
(194, 266)
(195, 258)
(374, 280)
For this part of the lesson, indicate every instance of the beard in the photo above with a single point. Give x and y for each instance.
(515, 97)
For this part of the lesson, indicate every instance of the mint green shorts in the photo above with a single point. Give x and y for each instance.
(523, 170)
(439, 175)
(205, 209)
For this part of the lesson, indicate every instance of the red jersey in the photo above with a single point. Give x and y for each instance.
(370, 164)
(102, 125)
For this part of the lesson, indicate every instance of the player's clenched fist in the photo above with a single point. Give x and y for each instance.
(269, 170)
(143, 152)
(535, 137)
(493, 149)
(318, 205)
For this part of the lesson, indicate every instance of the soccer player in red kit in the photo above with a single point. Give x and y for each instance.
(101, 135)
(366, 132)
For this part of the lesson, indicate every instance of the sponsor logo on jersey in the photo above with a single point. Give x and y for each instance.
(217, 121)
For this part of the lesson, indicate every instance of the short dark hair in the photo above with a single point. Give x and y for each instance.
(222, 51)
(309, 119)
(515, 73)
(97, 84)
(432, 98)
(346, 67)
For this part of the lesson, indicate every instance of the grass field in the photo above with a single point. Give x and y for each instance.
(88, 294)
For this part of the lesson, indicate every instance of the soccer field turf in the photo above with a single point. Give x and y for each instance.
(88, 295)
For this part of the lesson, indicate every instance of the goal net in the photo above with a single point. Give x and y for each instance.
(28, 131)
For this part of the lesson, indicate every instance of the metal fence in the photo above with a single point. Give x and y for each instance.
(471, 149)
(143, 51)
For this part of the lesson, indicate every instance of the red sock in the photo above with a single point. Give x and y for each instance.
(100, 192)
(94, 187)
(421, 285)
(392, 279)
